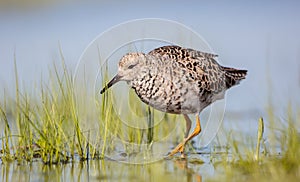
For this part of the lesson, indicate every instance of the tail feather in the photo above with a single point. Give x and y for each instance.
(234, 76)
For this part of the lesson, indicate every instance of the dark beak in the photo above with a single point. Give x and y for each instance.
(111, 83)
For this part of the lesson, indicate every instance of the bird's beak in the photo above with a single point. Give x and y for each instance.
(111, 83)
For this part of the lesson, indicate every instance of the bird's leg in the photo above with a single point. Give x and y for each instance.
(188, 123)
(197, 130)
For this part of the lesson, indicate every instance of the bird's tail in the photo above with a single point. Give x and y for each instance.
(233, 76)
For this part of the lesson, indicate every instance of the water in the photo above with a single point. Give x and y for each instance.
(249, 35)
(107, 170)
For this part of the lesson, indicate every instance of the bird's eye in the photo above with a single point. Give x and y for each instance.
(131, 66)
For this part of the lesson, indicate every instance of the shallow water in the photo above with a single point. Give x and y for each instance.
(139, 164)
(192, 169)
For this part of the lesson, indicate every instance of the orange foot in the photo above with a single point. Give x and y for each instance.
(179, 148)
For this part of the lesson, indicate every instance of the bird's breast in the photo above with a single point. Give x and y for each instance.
(167, 93)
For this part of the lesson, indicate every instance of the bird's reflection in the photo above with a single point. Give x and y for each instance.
(182, 163)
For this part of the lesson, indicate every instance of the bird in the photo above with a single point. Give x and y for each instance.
(177, 80)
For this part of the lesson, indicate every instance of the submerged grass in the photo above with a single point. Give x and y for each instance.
(260, 163)
(49, 127)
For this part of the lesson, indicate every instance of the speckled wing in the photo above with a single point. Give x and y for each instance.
(201, 67)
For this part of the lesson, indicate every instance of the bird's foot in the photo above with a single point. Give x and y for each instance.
(179, 148)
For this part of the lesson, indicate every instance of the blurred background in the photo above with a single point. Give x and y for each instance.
(262, 37)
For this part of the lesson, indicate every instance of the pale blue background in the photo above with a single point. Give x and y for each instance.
(262, 37)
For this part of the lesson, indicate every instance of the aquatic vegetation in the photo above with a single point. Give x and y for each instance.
(50, 126)
(260, 163)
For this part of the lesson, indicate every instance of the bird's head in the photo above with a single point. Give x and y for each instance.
(129, 66)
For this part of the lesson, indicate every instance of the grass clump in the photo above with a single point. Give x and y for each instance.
(46, 126)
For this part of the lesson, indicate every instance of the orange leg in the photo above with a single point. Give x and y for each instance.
(180, 147)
